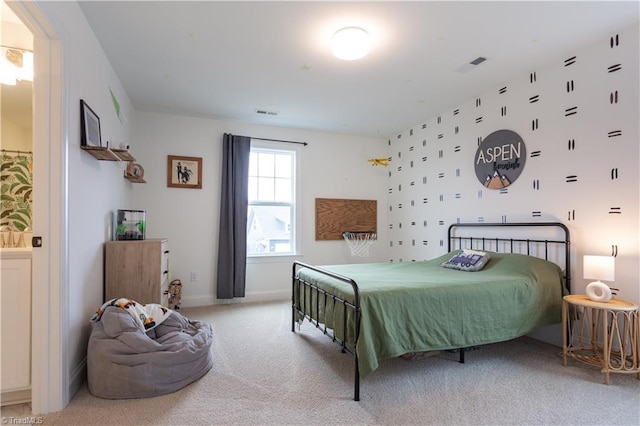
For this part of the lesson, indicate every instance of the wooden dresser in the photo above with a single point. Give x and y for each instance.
(137, 270)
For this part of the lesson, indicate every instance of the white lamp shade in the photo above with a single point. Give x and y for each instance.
(350, 43)
(600, 268)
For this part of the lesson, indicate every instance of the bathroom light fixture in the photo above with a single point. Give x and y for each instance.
(350, 43)
(15, 64)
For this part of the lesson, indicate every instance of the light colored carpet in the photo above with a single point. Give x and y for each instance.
(264, 374)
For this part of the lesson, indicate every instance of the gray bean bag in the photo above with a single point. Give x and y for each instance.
(125, 361)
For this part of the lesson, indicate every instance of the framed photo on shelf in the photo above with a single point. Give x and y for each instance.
(184, 172)
(90, 126)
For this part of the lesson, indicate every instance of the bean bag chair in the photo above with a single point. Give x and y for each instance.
(139, 351)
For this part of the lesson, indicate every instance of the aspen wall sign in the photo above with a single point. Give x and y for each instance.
(500, 159)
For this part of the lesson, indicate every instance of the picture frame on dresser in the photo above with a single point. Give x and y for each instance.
(184, 172)
(90, 126)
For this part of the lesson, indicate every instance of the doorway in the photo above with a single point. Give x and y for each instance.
(16, 140)
(49, 365)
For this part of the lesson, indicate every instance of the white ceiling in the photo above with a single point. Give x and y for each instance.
(227, 59)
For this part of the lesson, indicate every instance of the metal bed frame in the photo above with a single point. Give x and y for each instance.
(305, 288)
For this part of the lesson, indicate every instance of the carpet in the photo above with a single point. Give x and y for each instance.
(264, 374)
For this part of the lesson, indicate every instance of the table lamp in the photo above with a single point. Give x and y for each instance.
(599, 268)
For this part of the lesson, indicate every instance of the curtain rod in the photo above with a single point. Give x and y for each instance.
(279, 140)
(16, 151)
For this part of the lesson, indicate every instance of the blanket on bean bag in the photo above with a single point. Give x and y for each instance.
(147, 316)
(125, 360)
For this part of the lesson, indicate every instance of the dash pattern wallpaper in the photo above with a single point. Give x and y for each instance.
(578, 119)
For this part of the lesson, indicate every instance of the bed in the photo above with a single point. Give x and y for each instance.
(382, 310)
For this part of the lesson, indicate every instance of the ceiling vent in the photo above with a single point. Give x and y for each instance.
(471, 65)
(265, 112)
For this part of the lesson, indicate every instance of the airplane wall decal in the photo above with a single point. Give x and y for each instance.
(379, 162)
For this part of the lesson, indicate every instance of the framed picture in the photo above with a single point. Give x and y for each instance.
(184, 172)
(90, 126)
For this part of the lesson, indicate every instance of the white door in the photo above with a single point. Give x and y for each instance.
(49, 366)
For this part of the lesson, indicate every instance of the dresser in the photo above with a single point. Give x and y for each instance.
(137, 270)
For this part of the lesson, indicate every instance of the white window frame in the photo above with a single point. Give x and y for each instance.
(296, 222)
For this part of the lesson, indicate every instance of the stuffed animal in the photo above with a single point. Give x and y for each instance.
(175, 294)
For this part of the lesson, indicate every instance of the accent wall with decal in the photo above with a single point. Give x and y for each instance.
(573, 122)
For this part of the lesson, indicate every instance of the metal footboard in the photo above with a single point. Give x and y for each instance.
(303, 290)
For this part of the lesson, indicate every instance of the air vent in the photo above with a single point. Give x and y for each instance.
(265, 112)
(471, 65)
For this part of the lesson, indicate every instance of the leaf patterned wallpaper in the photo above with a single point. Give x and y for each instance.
(17, 187)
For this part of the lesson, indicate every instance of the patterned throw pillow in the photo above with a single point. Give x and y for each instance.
(467, 260)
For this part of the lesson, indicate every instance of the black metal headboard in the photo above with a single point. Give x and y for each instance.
(534, 245)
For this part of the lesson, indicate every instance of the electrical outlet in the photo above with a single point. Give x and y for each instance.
(194, 277)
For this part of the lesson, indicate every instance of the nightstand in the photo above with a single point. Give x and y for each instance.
(602, 334)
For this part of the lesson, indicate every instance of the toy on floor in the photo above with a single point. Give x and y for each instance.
(175, 294)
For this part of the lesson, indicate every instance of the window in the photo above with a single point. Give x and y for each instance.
(271, 216)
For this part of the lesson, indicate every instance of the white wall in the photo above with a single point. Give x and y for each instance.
(95, 187)
(15, 137)
(542, 192)
(332, 166)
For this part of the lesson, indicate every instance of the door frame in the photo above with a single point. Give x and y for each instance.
(49, 281)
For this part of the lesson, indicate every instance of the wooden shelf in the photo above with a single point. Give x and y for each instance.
(101, 153)
(123, 154)
(113, 154)
(134, 172)
(108, 154)
(134, 179)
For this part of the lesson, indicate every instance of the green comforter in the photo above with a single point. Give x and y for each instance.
(421, 306)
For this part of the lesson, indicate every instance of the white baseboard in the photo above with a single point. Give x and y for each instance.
(267, 296)
(15, 397)
(77, 378)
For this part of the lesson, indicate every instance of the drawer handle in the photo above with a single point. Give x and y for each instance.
(166, 252)
(165, 272)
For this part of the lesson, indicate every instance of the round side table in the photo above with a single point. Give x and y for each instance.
(603, 334)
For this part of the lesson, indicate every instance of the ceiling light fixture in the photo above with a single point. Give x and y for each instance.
(350, 43)
(15, 64)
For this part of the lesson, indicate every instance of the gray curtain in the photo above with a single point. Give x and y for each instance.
(232, 244)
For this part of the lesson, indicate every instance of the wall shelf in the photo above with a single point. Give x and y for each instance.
(108, 154)
(114, 154)
(134, 179)
(123, 154)
(134, 172)
(101, 153)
